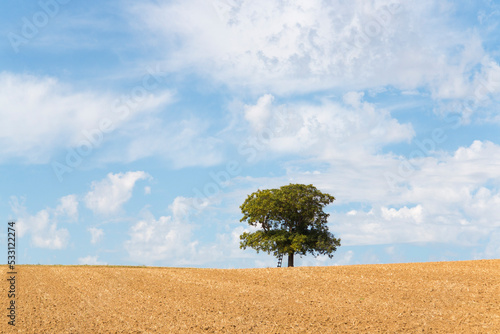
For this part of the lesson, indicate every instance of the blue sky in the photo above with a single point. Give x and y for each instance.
(131, 132)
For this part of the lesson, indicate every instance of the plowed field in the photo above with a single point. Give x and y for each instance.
(441, 297)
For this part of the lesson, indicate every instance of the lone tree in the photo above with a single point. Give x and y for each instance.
(291, 221)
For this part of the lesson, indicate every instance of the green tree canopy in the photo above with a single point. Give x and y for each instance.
(290, 221)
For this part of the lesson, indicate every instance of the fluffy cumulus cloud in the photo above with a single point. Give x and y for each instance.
(96, 234)
(258, 115)
(180, 238)
(340, 259)
(167, 239)
(43, 226)
(309, 45)
(447, 197)
(68, 206)
(107, 196)
(451, 177)
(383, 225)
(51, 112)
(418, 224)
(91, 260)
(329, 129)
(436, 197)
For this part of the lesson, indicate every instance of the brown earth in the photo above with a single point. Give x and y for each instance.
(441, 297)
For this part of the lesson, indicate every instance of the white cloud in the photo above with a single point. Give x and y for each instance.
(68, 207)
(167, 239)
(181, 207)
(451, 198)
(185, 143)
(405, 213)
(325, 130)
(59, 116)
(108, 196)
(285, 47)
(345, 259)
(353, 98)
(43, 226)
(453, 178)
(382, 225)
(91, 260)
(51, 238)
(259, 114)
(340, 258)
(96, 234)
(56, 114)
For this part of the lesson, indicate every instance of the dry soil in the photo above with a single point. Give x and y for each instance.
(439, 297)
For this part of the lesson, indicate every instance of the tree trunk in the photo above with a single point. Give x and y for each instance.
(290, 259)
